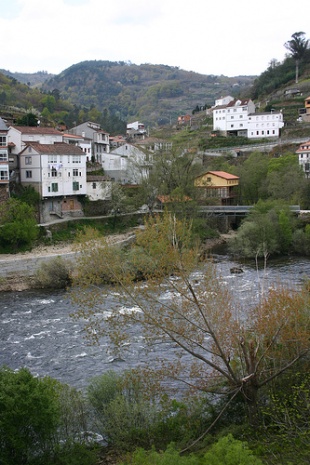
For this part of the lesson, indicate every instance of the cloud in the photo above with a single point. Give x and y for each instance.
(209, 38)
(9, 10)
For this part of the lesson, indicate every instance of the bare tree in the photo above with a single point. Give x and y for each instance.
(231, 349)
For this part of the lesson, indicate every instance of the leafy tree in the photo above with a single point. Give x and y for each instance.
(49, 102)
(27, 195)
(29, 416)
(267, 230)
(28, 120)
(297, 46)
(285, 179)
(252, 175)
(230, 451)
(174, 169)
(301, 240)
(18, 226)
(227, 353)
(42, 422)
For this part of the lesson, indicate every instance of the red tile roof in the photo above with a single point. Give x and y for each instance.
(220, 174)
(60, 148)
(37, 130)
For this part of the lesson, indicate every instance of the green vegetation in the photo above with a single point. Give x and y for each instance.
(154, 94)
(18, 226)
(35, 423)
(54, 274)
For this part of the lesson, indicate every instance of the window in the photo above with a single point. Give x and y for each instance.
(75, 186)
(2, 140)
(54, 187)
(94, 185)
(4, 175)
(28, 160)
(76, 158)
(75, 172)
(54, 173)
(3, 155)
(52, 158)
(28, 174)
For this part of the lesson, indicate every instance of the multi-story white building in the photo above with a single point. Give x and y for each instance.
(94, 137)
(4, 162)
(261, 125)
(303, 153)
(58, 173)
(238, 117)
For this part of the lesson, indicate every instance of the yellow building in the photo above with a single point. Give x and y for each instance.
(218, 185)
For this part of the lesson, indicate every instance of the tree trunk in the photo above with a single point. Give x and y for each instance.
(250, 395)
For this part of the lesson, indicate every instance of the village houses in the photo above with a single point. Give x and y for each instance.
(4, 162)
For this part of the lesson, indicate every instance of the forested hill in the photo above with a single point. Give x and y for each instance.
(150, 93)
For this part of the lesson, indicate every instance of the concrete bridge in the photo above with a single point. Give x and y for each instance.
(236, 210)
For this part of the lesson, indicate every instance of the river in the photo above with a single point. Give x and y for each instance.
(37, 330)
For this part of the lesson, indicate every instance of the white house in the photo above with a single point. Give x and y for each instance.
(232, 117)
(238, 117)
(58, 173)
(98, 187)
(223, 101)
(303, 153)
(4, 161)
(136, 130)
(127, 164)
(96, 137)
(261, 125)
(19, 136)
(153, 144)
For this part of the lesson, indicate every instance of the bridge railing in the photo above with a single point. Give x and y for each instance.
(234, 209)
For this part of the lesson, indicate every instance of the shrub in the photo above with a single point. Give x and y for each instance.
(54, 274)
(230, 451)
(123, 416)
(169, 457)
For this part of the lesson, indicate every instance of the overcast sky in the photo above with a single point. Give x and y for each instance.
(226, 37)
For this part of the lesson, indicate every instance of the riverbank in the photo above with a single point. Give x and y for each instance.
(17, 271)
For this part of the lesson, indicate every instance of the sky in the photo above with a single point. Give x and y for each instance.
(219, 37)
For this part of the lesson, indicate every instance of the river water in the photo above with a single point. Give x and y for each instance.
(37, 330)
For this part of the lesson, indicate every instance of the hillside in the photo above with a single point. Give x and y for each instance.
(154, 94)
(31, 79)
(113, 93)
